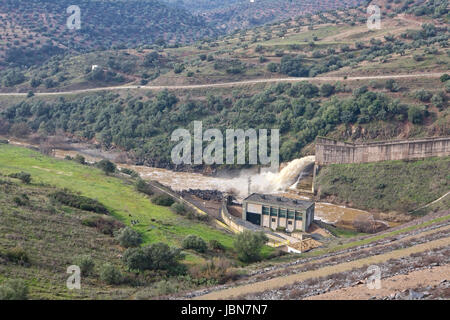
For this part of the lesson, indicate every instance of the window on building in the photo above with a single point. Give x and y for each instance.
(298, 215)
(273, 212)
(289, 222)
(282, 213)
(291, 214)
(266, 211)
(274, 220)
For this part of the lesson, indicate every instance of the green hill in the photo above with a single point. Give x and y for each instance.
(31, 31)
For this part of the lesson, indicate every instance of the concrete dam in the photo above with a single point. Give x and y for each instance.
(329, 151)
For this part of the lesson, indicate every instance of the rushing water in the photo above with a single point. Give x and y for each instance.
(264, 182)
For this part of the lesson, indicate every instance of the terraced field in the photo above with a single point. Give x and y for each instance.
(345, 262)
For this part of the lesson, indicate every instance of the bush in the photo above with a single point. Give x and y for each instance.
(86, 264)
(415, 114)
(110, 274)
(144, 187)
(158, 256)
(392, 85)
(445, 77)
(106, 226)
(17, 255)
(179, 208)
(439, 100)
(218, 269)
(163, 200)
(22, 176)
(216, 245)
(129, 172)
(195, 243)
(272, 67)
(80, 202)
(327, 90)
(128, 237)
(22, 200)
(14, 289)
(293, 66)
(107, 166)
(423, 95)
(80, 159)
(248, 245)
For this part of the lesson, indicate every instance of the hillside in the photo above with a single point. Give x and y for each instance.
(32, 31)
(399, 186)
(54, 234)
(247, 14)
(334, 43)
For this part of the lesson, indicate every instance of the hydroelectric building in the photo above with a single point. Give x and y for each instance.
(274, 212)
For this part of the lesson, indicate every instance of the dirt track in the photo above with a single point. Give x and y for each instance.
(279, 282)
(427, 277)
(228, 84)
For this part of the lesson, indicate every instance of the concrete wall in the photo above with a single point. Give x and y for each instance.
(330, 151)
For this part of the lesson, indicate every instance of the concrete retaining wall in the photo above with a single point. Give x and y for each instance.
(330, 151)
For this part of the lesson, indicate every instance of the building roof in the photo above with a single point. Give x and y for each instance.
(279, 201)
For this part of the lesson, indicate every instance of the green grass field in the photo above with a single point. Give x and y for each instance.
(156, 223)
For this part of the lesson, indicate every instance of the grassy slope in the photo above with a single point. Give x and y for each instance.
(386, 186)
(52, 239)
(156, 223)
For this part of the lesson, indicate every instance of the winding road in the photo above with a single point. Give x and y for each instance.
(226, 84)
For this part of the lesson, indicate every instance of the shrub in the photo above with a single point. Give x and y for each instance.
(14, 289)
(179, 208)
(80, 159)
(248, 245)
(107, 166)
(392, 85)
(128, 237)
(22, 200)
(80, 202)
(158, 256)
(218, 269)
(163, 200)
(423, 95)
(415, 114)
(22, 176)
(439, 100)
(195, 243)
(86, 264)
(418, 57)
(216, 245)
(178, 68)
(17, 255)
(106, 226)
(110, 274)
(129, 172)
(144, 187)
(445, 77)
(327, 90)
(293, 66)
(272, 67)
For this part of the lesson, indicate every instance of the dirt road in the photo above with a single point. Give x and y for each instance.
(227, 84)
(279, 282)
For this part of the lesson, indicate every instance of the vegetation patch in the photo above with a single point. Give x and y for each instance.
(80, 202)
(385, 186)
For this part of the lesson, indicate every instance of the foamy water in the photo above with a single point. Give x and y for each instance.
(264, 182)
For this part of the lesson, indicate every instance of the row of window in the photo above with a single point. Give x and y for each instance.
(291, 214)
